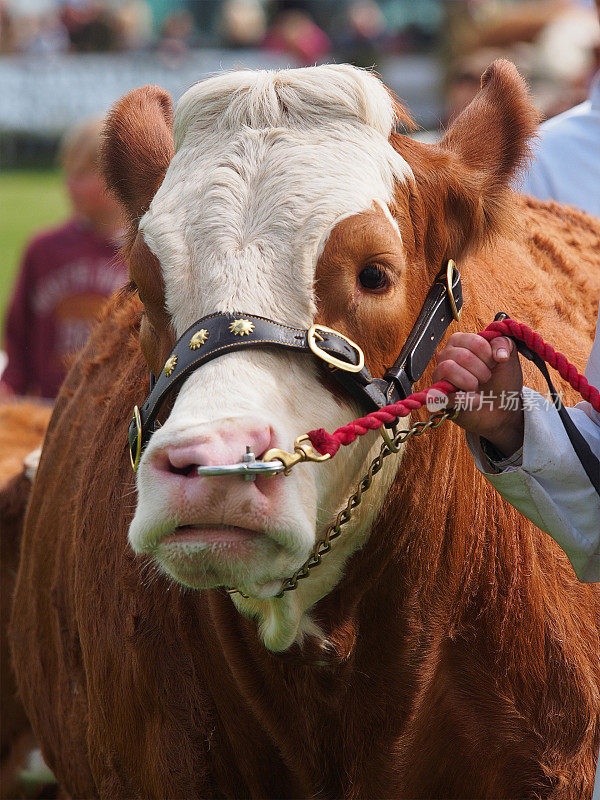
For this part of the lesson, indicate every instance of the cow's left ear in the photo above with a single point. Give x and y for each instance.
(463, 182)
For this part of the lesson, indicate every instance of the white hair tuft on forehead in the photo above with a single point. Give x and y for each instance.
(289, 98)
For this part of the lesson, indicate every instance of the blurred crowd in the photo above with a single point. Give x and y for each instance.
(309, 30)
(553, 42)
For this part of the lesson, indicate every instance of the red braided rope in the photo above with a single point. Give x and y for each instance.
(325, 442)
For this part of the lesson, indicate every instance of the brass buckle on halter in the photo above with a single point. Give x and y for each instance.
(450, 267)
(135, 458)
(313, 334)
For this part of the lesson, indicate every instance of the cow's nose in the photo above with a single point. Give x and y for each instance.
(225, 445)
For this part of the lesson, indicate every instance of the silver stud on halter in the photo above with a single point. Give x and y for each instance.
(248, 468)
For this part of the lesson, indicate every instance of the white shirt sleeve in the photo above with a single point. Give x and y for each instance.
(566, 167)
(549, 485)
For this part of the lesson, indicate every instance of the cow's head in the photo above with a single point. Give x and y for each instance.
(288, 195)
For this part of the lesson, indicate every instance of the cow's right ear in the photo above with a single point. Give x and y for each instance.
(138, 147)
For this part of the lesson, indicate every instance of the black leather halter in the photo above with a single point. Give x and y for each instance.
(218, 333)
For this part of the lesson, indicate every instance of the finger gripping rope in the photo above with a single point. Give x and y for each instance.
(557, 361)
(330, 443)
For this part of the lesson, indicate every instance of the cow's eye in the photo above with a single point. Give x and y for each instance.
(373, 278)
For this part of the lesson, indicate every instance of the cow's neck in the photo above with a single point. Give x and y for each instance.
(383, 630)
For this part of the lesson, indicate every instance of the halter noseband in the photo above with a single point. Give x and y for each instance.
(219, 333)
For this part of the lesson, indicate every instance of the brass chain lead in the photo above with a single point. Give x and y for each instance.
(323, 546)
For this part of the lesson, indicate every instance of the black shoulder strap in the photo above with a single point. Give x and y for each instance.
(589, 462)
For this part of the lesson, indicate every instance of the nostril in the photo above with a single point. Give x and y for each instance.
(186, 471)
(180, 461)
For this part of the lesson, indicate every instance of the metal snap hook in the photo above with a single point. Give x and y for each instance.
(248, 468)
(388, 439)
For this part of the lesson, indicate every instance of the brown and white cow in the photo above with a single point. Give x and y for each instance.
(444, 647)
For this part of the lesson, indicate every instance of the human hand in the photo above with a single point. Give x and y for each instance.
(476, 366)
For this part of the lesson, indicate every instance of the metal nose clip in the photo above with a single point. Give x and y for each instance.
(248, 468)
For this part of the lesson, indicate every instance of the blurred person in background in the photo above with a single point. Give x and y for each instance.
(65, 276)
(242, 24)
(295, 33)
(363, 37)
(91, 26)
(176, 38)
(46, 36)
(566, 167)
(133, 24)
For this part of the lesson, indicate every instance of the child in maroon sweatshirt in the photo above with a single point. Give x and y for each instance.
(66, 275)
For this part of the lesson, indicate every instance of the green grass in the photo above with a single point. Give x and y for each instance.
(30, 200)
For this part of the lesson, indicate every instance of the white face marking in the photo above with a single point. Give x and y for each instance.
(388, 214)
(266, 165)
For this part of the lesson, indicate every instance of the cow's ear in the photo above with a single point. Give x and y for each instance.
(491, 136)
(463, 182)
(138, 147)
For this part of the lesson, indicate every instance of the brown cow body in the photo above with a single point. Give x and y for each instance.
(463, 652)
(22, 428)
